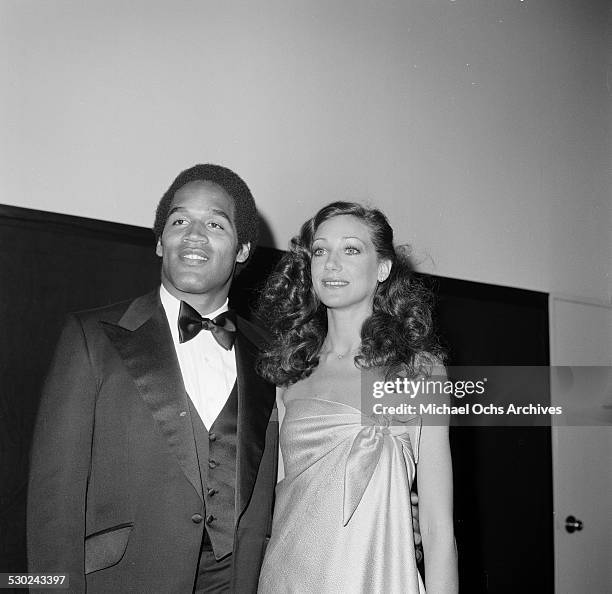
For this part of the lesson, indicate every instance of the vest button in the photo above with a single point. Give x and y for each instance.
(196, 518)
(212, 464)
(212, 436)
(210, 519)
(212, 492)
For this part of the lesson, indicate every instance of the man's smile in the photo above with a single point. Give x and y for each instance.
(194, 256)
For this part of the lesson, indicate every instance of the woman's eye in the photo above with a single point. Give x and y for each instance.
(179, 221)
(351, 250)
(215, 225)
(318, 252)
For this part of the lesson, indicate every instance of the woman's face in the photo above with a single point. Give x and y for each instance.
(345, 267)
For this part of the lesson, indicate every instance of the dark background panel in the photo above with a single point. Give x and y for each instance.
(51, 264)
(502, 475)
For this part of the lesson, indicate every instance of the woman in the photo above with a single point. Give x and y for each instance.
(342, 307)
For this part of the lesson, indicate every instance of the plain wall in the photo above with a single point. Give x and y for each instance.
(481, 127)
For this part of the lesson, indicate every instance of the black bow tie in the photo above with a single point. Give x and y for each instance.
(223, 327)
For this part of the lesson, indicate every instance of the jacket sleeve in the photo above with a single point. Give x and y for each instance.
(60, 460)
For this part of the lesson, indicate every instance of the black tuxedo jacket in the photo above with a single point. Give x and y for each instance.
(115, 496)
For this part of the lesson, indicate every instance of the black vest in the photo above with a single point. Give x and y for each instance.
(217, 459)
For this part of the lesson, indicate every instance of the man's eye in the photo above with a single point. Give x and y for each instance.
(215, 225)
(179, 221)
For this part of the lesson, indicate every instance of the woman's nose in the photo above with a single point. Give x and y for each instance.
(332, 263)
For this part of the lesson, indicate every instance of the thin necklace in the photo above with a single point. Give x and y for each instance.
(343, 355)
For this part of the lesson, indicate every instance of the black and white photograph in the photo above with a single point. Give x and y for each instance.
(306, 296)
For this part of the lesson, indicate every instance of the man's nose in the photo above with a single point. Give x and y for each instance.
(197, 232)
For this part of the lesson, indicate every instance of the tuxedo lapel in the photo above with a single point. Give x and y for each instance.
(255, 402)
(144, 343)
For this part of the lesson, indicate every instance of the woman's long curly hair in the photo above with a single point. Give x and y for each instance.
(397, 337)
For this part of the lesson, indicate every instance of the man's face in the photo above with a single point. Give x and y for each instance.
(199, 244)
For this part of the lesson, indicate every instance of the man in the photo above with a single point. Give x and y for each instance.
(154, 459)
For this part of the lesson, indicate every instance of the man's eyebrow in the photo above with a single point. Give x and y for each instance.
(223, 214)
(217, 211)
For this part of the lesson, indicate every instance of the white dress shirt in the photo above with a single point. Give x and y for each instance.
(209, 371)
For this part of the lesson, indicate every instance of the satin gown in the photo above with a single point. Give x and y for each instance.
(342, 519)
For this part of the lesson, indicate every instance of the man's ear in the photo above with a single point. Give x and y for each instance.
(159, 250)
(243, 252)
(384, 270)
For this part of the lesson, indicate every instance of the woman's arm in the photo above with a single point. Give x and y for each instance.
(280, 405)
(435, 482)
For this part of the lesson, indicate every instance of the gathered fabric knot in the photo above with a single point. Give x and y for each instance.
(364, 456)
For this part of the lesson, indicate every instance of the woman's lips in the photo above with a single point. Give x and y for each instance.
(334, 283)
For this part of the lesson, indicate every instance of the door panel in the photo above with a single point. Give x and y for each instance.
(581, 335)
